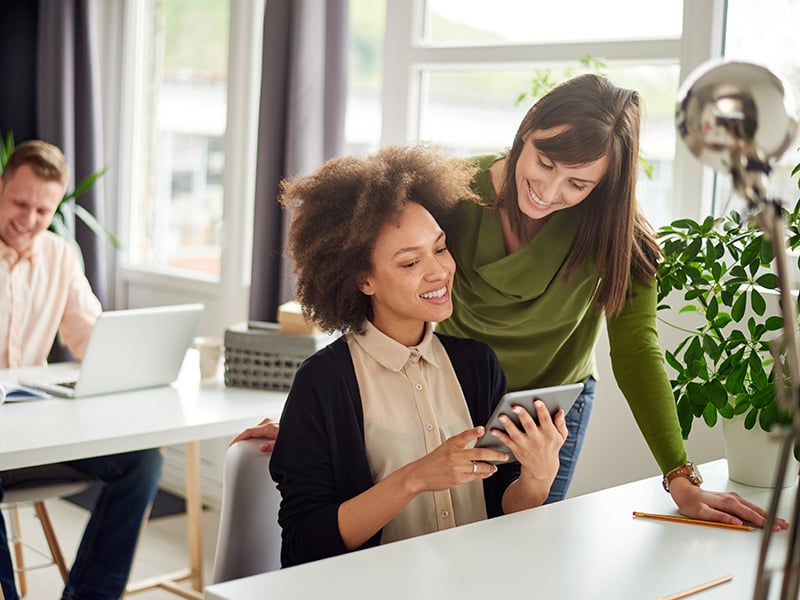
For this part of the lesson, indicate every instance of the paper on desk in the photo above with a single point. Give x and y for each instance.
(14, 392)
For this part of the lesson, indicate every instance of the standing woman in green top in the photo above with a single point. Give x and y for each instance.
(557, 244)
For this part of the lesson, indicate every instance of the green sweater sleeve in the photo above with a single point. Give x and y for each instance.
(638, 365)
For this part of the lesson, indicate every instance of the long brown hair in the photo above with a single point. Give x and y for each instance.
(601, 119)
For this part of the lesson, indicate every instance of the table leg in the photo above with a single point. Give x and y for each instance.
(194, 513)
(194, 524)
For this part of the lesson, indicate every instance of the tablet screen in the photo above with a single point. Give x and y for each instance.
(555, 397)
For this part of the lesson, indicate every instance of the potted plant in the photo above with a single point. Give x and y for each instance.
(722, 271)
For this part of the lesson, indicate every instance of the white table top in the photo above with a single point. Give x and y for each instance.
(588, 547)
(55, 429)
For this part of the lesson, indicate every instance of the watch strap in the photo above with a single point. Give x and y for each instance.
(687, 470)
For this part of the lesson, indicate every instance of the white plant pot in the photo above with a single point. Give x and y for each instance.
(753, 455)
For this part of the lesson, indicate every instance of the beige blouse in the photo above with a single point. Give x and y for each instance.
(412, 403)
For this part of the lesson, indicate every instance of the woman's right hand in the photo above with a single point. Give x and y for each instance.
(449, 465)
(453, 463)
(266, 430)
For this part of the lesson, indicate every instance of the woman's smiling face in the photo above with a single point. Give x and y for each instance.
(545, 186)
(412, 275)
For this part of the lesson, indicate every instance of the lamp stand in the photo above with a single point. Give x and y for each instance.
(772, 223)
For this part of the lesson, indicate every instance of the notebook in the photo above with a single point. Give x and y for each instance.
(130, 350)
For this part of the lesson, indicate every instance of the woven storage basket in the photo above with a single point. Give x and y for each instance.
(264, 358)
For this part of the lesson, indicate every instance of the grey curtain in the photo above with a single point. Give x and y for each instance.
(301, 124)
(68, 111)
(18, 26)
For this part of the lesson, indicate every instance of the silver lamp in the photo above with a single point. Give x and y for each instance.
(740, 118)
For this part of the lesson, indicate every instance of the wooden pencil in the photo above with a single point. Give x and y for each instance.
(699, 588)
(691, 521)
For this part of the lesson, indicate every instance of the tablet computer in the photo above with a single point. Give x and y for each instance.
(555, 397)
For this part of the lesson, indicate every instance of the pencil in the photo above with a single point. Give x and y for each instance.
(691, 521)
(698, 588)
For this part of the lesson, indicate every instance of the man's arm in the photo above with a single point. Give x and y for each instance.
(80, 313)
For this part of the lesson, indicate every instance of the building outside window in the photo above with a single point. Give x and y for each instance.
(176, 212)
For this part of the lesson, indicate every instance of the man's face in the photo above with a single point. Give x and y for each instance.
(27, 205)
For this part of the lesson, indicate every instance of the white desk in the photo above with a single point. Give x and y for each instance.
(55, 430)
(586, 547)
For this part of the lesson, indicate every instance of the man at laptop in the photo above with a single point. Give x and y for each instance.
(44, 291)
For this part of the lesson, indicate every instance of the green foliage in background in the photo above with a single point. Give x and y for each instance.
(544, 80)
(197, 38)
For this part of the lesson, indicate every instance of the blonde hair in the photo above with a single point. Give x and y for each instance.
(45, 160)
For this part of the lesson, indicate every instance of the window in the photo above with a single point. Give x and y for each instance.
(365, 76)
(458, 68)
(778, 24)
(450, 22)
(176, 207)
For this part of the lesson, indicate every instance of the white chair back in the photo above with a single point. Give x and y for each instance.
(249, 540)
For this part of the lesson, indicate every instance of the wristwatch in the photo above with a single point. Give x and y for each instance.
(688, 470)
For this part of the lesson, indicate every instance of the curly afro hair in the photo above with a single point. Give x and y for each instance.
(338, 212)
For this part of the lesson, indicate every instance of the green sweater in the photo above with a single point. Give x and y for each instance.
(544, 326)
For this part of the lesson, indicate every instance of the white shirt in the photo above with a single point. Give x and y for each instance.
(41, 293)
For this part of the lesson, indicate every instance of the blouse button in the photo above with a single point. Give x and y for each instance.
(418, 387)
(429, 427)
(445, 514)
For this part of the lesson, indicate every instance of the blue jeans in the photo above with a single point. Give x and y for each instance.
(105, 554)
(577, 424)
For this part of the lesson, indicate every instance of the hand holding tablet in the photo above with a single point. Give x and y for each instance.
(555, 397)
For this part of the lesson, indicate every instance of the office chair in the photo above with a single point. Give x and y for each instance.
(31, 487)
(249, 540)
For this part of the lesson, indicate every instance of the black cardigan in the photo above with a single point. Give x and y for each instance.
(320, 459)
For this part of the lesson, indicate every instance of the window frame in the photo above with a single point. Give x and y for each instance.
(702, 39)
(229, 292)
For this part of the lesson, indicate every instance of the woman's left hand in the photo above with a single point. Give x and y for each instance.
(722, 507)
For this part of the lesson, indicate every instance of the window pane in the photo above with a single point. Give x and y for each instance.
(777, 27)
(365, 74)
(177, 217)
(525, 21)
(476, 111)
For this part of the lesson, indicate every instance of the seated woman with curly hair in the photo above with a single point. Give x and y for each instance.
(376, 435)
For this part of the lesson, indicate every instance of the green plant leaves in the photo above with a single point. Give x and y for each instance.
(710, 415)
(757, 302)
(724, 269)
(739, 306)
(685, 416)
(6, 148)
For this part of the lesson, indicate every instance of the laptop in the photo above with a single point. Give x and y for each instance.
(130, 350)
